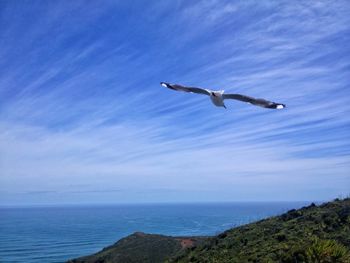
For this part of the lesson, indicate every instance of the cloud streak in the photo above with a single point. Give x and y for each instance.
(83, 113)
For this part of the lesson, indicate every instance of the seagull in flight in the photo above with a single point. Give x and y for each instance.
(218, 96)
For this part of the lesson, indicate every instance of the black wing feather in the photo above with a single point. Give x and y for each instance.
(178, 87)
(258, 102)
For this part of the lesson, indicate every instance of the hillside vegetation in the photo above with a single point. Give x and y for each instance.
(310, 234)
(143, 248)
(302, 235)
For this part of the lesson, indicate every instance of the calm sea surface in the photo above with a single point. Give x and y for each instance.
(57, 234)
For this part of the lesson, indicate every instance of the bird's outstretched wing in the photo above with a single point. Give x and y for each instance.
(185, 89)
(258, 102)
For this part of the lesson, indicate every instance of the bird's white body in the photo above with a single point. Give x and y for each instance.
(216, 97)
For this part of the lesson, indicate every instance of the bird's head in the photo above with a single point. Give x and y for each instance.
(217, 93)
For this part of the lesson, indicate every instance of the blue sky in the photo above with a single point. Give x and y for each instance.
(83, 118)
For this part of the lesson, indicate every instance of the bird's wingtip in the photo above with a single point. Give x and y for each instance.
(164, 84)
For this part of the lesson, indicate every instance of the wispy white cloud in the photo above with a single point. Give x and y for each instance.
(90, 116)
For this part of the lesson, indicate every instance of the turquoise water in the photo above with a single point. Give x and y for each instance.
(56, 234)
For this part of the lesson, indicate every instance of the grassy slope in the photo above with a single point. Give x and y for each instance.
(286, 238)
(278, 239)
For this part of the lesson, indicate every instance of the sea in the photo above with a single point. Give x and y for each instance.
(60, 233)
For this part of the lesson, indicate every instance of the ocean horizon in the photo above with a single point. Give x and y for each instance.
(62, 232)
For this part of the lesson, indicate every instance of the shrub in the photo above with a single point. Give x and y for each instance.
(319, 251)
(324, 251)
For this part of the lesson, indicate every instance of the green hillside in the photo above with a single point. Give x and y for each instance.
(310, 234)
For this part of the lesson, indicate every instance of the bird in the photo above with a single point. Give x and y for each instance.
(218, 96)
